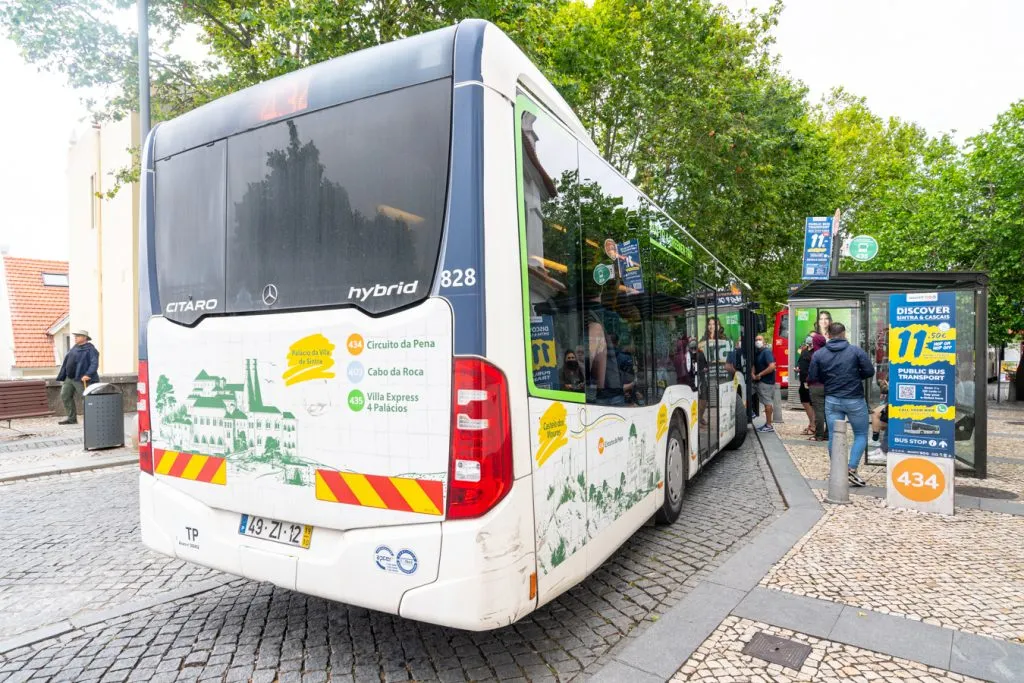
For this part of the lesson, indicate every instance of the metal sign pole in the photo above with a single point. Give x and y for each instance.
(144, 119)
(836, 246)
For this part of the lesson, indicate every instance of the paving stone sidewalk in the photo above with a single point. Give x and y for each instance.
(960, 576)
(721, 660)
(964, 572)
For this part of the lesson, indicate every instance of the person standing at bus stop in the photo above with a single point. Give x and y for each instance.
(817, 392)
(763, 374)
(842, 368)
(78, 369)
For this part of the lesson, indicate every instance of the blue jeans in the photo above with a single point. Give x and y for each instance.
(855, 410)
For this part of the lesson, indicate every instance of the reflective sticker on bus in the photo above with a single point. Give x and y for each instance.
(192, 466)
(425, 496)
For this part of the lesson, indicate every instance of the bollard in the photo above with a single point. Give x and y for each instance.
(839, 456)
(777, 404)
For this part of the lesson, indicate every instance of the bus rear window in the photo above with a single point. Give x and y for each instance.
(340, 206)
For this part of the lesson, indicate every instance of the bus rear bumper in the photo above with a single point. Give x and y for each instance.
(485, 568)
(359, 567)
(486, 575)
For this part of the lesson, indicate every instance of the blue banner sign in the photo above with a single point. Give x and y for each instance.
(922, 373)
(629, 265)
(817, 248)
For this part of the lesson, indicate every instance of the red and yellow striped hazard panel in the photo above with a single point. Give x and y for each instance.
(192, 466)
(388, 493)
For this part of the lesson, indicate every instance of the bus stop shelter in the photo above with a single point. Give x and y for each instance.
(861, 302)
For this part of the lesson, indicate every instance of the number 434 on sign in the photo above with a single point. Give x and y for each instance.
(917, 480)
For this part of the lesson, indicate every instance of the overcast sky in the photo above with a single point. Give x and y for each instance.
(947, 64)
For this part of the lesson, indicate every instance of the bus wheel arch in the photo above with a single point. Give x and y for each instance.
(742, 422)
(676, 457)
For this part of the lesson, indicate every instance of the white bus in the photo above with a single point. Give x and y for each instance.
(363, 288)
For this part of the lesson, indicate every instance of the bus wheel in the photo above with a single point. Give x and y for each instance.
(741, 425)
(675, 476)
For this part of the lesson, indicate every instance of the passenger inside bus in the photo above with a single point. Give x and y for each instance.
(570, 377)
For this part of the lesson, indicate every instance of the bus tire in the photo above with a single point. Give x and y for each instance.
(741, 425)
(675, 475)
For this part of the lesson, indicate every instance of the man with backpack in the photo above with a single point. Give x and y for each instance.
(842, 368)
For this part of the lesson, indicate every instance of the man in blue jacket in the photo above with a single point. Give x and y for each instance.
(842, 368)
(78, 369)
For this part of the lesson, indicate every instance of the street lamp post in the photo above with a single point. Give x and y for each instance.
(143, 8)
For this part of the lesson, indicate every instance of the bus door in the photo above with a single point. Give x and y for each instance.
(707, 383)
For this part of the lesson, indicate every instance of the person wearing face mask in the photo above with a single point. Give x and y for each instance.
(763, 374)
(571, 375)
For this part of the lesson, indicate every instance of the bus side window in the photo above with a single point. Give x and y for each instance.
(672, 306)
(552, 256)
(616, 282)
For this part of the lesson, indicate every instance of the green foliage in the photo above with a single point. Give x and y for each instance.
(932, 205)
(568, 493)
(682, 96)
(558, 554)
(164, 394)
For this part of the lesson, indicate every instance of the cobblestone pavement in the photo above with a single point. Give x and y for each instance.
(248, 629)
(72, 543)
(720, 659)
(964, 572)
(37, 428)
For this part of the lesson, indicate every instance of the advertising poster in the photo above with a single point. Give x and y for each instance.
(629, 265)
(720, 332)
(817, 248)
(922, 373)
(545, 355)
(809, 320)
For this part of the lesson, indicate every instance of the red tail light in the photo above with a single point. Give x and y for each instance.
(480, 473)
(145, 423)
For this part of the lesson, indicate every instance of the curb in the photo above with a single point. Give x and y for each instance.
(77, 465)
(91, 618)
(662, 649)
(733, 589)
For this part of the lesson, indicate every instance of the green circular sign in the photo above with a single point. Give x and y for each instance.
(356, 401)
(863, 248)
(603, 273)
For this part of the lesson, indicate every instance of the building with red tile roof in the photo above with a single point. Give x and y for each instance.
(34, 332)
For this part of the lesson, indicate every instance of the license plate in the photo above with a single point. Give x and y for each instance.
(297, 535)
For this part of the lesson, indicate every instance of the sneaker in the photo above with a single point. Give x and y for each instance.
(68, 422)
(855, 479)
(877, 457)
(766, 428)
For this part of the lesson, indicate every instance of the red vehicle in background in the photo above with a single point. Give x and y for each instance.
(780, 347)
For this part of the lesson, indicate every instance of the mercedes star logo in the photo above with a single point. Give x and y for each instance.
(270, 295)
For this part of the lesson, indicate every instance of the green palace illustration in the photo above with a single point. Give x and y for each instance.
(232, 421)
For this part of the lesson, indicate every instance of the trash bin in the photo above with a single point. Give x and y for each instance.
(104, 416)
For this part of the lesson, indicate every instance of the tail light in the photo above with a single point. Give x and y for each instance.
(481, 453)
(145, 423)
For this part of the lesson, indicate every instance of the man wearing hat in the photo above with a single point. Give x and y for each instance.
(78, 369)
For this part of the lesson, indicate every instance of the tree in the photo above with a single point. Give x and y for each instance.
(995, 163)
(164, 395)
(248, 41)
